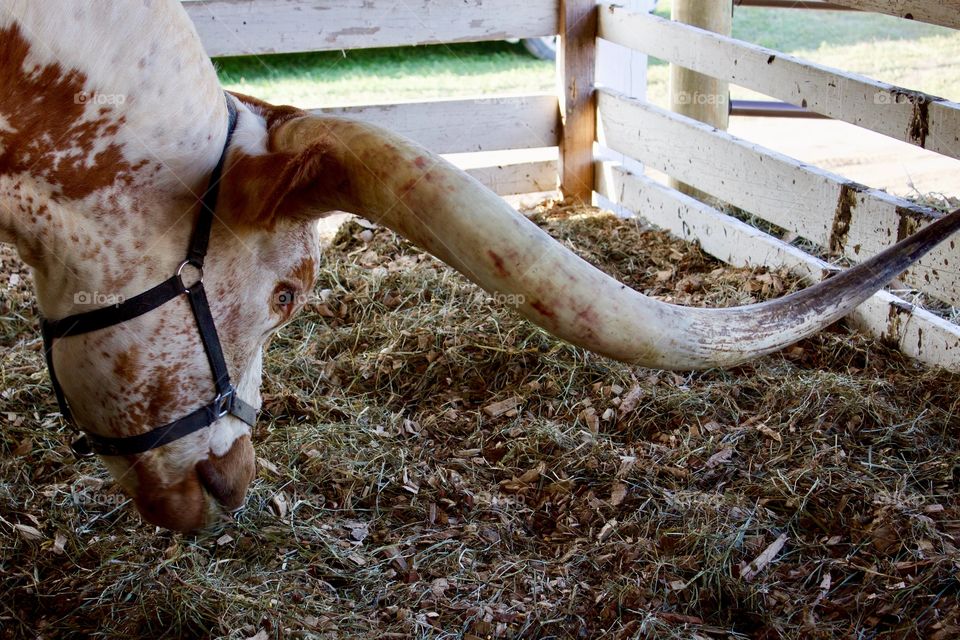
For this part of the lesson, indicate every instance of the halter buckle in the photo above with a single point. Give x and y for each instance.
(192, 263)
(223, 402)
(81, 447)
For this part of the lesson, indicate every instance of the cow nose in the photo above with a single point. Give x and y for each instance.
(215, 485)
(184, 506)
(227, 477)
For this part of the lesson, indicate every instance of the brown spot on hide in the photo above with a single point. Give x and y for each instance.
(48, 135)
(543, 310)
(421, 162)
(125, 364)
(588, 316)
(498, 264)
(305, 273)
(163, 392)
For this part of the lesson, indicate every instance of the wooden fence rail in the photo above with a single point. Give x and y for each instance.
(850, 219)
(911, 116)
(914, 331)
(943, 12)
(466, 126)
(249, 27)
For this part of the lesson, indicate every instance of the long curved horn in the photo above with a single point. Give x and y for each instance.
(387, 179)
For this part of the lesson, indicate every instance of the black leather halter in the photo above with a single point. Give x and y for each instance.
(226, 400)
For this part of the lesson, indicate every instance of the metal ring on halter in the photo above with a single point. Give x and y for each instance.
(222, 402)
(195, 265)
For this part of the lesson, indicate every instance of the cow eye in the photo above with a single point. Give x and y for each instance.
(284, 299)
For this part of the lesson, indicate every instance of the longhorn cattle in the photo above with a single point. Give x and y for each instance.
(125, 171)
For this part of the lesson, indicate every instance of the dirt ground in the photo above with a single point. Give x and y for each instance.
(432, 466)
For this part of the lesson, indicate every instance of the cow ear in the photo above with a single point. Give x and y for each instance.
(257, 190)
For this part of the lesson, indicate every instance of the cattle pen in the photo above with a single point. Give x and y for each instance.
(847, 220)
(432, 466)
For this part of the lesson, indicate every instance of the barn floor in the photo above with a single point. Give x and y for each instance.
(432, 466)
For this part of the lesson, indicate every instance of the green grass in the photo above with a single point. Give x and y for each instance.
(911, 54)
(376, 76)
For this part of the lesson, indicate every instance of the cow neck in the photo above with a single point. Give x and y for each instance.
(226, 400)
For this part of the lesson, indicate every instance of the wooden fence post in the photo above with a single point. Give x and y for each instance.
(693, 94)
(578, 40)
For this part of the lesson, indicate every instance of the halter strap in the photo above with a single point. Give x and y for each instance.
(226, 400)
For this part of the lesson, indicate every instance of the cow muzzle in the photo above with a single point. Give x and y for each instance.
(214, 485)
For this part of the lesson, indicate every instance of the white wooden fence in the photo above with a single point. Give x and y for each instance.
(849, 219)
(259, 27)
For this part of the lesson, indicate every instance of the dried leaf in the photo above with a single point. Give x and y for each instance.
(28, 532)
(676, 472)
(25, 447)
(664, 276)
(618, 493)
(750, 571)
(497, 409)
(720, 457)
(324, 310)
(631, 400)
(269, 466)
(712, 427)
(770, 433)
(607, 530)
(589, 416)
(359, 531)
(279, 502)
(679, 618)
(438, 586)
(825, 585)
(532, 475)
(490, 535)
(356, 559)
(885, 538)
(523, 481)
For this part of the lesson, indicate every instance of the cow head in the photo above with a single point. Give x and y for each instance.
(101, 199)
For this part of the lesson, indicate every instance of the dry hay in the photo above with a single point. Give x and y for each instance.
(432, 466)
